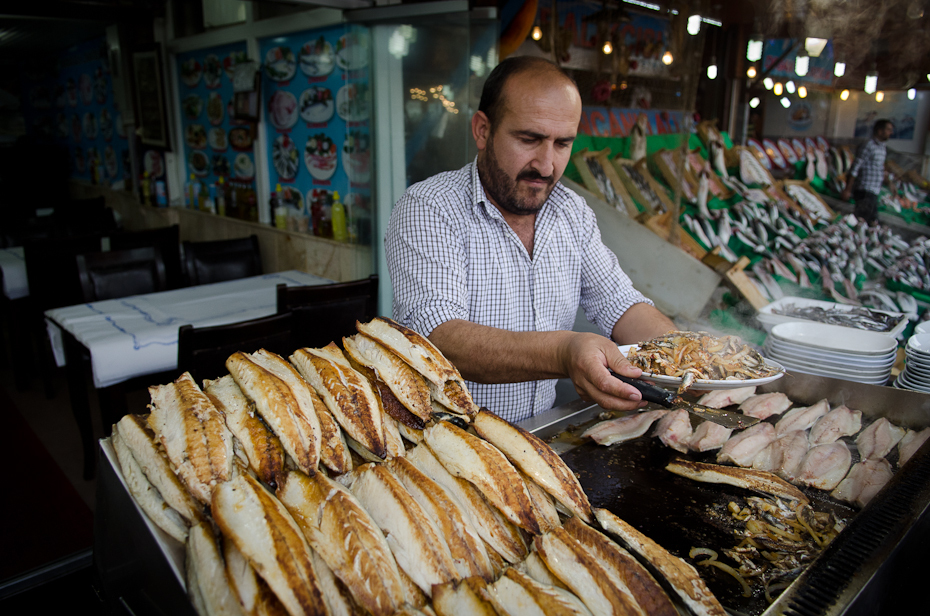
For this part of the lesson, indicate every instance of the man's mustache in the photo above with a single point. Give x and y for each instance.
(535, 175)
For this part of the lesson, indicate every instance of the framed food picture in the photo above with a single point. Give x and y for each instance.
(153, 125)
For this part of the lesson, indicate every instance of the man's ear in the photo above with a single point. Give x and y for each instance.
(480, 129)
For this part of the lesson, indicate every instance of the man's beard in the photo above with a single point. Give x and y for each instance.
(503, 190)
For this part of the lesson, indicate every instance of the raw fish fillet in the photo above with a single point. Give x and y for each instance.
(878, 439)
(783, 456)
(909, 445)
(863, 482)
(841, 421)
(741, 448)
(765, 405)
(674, 430)
(623, 428)
(824, 466)
(802, 417)
(720, 398)
(709, 436)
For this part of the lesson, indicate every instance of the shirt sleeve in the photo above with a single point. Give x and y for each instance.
(864, 153)
(606, 291)
(427, 260)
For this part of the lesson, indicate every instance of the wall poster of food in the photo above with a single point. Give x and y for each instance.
(74, 107)
(214, 144)
(317, 111)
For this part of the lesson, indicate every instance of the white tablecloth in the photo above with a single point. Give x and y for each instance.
(13, 264)
(138, 335)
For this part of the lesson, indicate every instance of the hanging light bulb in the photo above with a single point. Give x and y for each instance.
(801, 65)
(814, 46)
(778, 89)
(871, 83)
(844, 95)
(785, 102)
(608, 48)
(768, 83)
(802, 92)
(911, 94)
(537, 33)
(839, 69)
(694, 24)
(712, 71)
(754, 49)
(754, 102)
(667, 58)
(879, 96)
(790, 87)
(751, 72)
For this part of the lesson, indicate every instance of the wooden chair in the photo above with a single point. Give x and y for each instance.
(166, 239)
(121, 273)
(326, 313)
(203, 351)
(216, 261)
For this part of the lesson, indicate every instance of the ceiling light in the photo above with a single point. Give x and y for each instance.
(667, 58)
(814, 46)
(751, 72)
(879, 96)
(801, 65)
(839, 69)
(754, 102)
(768, 83)
(754, 50)
(911, 94)
(694, 24)
(785, 102)
(844, 95)
(712, 71)
(778, 89)
(537, 33)
(608, 48)
(790, 87)
(871, 83)
(802, 92)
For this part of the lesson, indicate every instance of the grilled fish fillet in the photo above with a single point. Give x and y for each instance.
(275, 402)
(518, 593)
(147, 497)
(583, 574)
(345, 536)
(405, 383)
(465, 545)
(262, 448)
(503, 537)
(414, 539)
(535, 458)
(334, 593)
(267, 535)
(206, 574)
(446, 384)
(133, 430)
(347, 394)
(194, 435)
(483, 465)
(534, 567)
(623, 569)
(543, 506)
(466, 598)
(389, 402)
(683, 578)
(758, 481)
(254, 595)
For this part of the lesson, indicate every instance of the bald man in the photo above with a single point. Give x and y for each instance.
(492, 261)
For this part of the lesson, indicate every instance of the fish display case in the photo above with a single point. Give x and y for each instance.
(868, 568)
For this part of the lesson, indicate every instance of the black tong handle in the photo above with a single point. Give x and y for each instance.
(650, 392)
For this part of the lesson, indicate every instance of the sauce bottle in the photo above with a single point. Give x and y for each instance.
(221, 197)
(340, 233)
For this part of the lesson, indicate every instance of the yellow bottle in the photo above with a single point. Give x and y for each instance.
(339, 219)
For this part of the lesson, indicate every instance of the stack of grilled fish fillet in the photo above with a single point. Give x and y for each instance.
(363, 479)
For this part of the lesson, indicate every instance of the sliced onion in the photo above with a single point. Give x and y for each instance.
(731, 571)
(695, 552)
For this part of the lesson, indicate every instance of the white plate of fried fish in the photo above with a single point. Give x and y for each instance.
(709, 384)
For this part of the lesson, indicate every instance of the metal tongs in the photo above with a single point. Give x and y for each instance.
(669, 399)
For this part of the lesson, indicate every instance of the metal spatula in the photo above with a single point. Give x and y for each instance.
(669, 399)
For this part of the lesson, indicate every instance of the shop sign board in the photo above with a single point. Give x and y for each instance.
(820, 70)
(615, 122)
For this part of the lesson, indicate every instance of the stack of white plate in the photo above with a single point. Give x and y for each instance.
(833, 351)
(916, 373)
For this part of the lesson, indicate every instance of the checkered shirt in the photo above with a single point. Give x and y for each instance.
(869, 166)
(451, 255)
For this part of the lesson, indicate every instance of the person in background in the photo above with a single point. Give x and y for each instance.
(492, 261)
(864, 179)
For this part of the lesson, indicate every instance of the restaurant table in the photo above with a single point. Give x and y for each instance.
(136, 336)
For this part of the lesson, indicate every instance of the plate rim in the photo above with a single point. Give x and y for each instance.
(709, 384)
